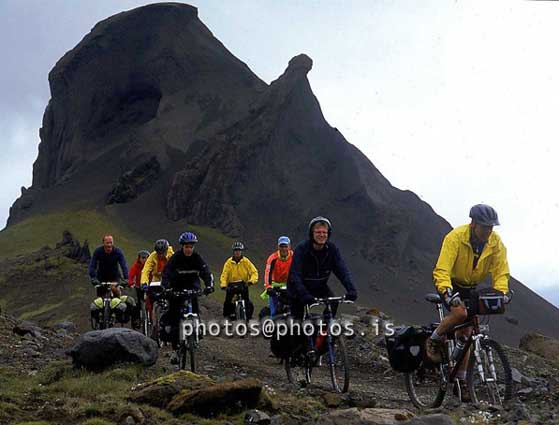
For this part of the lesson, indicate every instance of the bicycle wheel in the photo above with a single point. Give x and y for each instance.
(489, 377)
(157, 312)
(297, 369)
(191, 348)
(182, 355)
(106, 320)
(339, 365)
(426, 386)
(240, 311)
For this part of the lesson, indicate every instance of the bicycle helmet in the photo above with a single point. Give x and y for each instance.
(238, 246)
(321, 220)
(161, 246)
(143, 253)
(187, 238)
(484, 215)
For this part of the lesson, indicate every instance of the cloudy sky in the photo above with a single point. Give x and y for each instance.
(453, 100)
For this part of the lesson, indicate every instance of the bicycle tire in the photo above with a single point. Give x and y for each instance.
(106, 321)
(240, 311)
(182, 355)
(155, 326)
(340, 358)
(490, 392)
(297, 370)
(191, 345)
(426, 386)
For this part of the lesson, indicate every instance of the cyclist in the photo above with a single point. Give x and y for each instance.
(135, 279)
(238, 272)
(104, 267)
(277, 270)
(153, 268)
(183, 271)
(313, 261)
(468, 254)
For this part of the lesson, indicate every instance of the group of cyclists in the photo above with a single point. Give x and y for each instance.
(468, 255)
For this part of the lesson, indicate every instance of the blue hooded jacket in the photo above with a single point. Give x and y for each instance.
(311, 269)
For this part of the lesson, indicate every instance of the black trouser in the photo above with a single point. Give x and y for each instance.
(232, 290)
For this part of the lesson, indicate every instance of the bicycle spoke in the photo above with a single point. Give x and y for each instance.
(489, 375)
(426, 386)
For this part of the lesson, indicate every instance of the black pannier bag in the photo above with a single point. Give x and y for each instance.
(489, 301)
(406, 348)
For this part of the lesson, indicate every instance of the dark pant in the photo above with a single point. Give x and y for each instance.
(242, 291)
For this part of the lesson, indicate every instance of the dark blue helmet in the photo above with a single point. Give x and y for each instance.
(484, 215)
(187, 237)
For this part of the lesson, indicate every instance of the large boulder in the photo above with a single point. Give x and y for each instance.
(541, 345)
(96, 350)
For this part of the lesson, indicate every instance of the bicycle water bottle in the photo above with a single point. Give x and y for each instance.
(458, 349)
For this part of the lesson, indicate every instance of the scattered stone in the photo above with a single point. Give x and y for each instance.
(436, 419)
(354, 416)
(67, 326)
(257, 417)
(96, 350)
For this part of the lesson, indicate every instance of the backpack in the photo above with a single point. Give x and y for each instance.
(406, 348)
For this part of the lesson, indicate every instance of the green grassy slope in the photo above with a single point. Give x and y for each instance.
(57, 289)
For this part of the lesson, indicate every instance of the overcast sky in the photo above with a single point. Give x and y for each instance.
(453, 100)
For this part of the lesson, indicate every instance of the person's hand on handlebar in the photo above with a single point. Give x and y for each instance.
(351, 296)
(95, 281)
(308, 299)
(451, 299)
(208, 290)
(145, 287)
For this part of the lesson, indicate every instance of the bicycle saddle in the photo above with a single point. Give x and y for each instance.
(433, 298)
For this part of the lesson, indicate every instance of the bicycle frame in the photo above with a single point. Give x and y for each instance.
(473, 340)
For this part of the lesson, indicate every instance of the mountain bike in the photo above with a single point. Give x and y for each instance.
(188, 327)
(146, 322)
(324, 345)
(489, 376)
(238, 289)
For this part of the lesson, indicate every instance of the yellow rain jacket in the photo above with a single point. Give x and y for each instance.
(154, 266)
(456, 261)
(243, 270)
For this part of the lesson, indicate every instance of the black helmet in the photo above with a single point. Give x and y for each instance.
(322, 220)
(161, 246)
(144, 253)
(484, 215)
(188, 238)
(238, 245)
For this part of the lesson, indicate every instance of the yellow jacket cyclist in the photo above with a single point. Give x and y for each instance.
(468, 255)
(156, 262)
(238, 272)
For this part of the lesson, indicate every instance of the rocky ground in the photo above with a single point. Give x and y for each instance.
(39, 382)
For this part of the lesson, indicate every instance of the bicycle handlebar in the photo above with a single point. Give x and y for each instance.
(329, 300)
